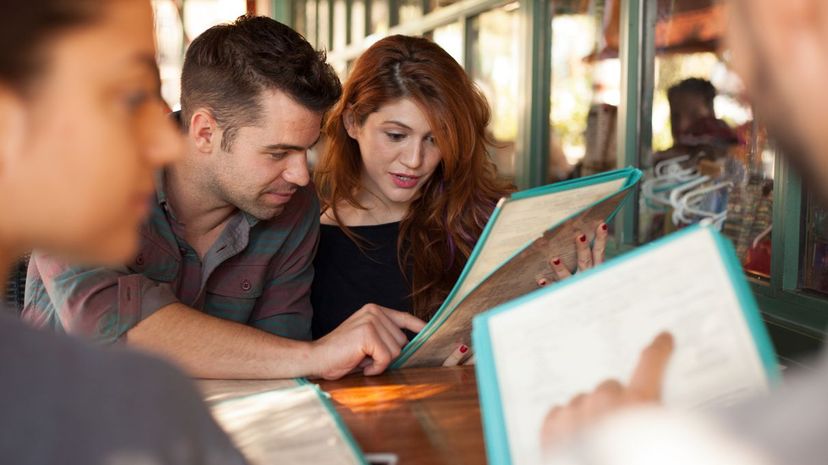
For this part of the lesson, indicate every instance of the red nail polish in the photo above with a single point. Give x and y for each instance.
(556, 262)
(604, 227)
(463, 349)
(582, 238)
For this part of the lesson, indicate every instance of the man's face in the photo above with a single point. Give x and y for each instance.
(268, 162)
(780, 49)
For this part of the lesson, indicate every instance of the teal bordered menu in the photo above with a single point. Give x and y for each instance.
(538, 351)
(282, 421)
(525, 232)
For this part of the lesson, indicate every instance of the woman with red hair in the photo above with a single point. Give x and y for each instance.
(405, 181)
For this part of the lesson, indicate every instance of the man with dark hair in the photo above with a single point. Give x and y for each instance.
(221, 282)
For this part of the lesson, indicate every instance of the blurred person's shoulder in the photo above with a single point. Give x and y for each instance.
(67, 401)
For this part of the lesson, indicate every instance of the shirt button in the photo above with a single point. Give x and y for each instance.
(245, 285)
(139, 259)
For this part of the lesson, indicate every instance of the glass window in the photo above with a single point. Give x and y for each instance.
(494, 68)
(340, 24)
(169, 33)
(323, 32)
(200, 15)
(357, 21)
(435, 4)
(299, 18)
(815, 261)
(409, 10)
(379, 16)
(710, 159)
(586, 79)
(450, 37)
(311, 21)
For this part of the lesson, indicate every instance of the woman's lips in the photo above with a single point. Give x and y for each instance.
(404, 181)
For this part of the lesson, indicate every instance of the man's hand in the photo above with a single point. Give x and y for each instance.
(369, 340)
(584, 409)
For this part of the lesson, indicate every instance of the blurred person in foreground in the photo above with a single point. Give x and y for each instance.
(82, 129)
(781, 51)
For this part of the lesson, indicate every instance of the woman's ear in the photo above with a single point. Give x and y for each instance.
(349, 121)
(12, 130)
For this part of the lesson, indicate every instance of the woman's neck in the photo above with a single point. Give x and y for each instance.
(374, 211)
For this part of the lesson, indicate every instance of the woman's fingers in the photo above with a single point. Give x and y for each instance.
(584, 253)
(560, 270)
(599, 246)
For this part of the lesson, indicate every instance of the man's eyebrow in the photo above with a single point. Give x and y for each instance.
(297, 148)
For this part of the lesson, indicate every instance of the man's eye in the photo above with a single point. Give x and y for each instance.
(278, 155)
(395, 136)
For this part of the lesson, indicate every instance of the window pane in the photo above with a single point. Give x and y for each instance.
(310, 21)
(450, 37)
(586, 82)
(379, 16)
(299, 18)
(357, 20)
(435, 4)
(410, 10)
(710, 159)
(495, 70)
(340, 24)
(200, 15)
(323, 32)
(169, 33)
(815, 262)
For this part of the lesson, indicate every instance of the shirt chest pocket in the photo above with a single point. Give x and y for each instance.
(233, 290)
(155, 262)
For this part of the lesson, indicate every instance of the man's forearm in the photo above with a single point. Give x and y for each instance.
(209, 347)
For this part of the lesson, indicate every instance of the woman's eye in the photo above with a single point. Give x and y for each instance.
(136, 99)
(395, 136)
(430, 139)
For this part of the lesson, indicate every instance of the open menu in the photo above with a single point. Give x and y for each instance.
(525, 232)
(281, 422)
(541, 350)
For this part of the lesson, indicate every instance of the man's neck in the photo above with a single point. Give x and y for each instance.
(194, 205)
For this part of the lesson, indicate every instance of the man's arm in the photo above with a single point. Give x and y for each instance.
(209, 347)
(95, 303)
(105, 304)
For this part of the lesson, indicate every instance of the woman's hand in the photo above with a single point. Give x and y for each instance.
(458, 357)
(587, 257)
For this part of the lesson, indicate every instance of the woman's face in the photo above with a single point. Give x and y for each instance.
(398, 151)
(81, 152)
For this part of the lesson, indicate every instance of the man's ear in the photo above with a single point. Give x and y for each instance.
(349, 121)
(12, 131)
(204, 132)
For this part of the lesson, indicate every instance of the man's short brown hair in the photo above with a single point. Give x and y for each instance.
(228, 66)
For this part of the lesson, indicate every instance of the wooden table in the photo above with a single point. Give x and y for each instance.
(424, 415)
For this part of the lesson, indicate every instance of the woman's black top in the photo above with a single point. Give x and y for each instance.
(347, 277)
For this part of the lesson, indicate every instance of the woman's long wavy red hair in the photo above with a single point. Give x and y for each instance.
(446, 218)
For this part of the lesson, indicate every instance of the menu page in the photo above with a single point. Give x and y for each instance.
(285, 426)
(570, 339)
